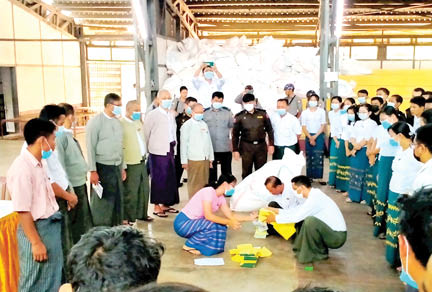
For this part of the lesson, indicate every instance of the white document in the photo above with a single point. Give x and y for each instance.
(209, 262)
(98, 189)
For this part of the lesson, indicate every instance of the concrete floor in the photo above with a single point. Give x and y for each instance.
(358, 266)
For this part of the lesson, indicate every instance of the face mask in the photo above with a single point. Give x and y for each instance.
(189, 111)
(362, 100)
(208, 75)
(374, 108)
(198, 117)
(250, 91)
(351, 117)
(136, 116)
(229, 192)
(335, 106)
(394, 143)
(343, 111)
(386, 124)
(117, 110)
(346, 107)
(363, 116)
(249, 107)
(313, 103)
(46, 154)
(166, 103)
(60, 131)
(217, 105)
(391, 104)
(281, 111)
(405, 276)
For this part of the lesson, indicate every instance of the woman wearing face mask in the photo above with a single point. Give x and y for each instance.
(210, 82)
(362, 132)
(405, 168)
(205, 231)
(343, 163)
(387, 149)
(336, 126)
(313, 121)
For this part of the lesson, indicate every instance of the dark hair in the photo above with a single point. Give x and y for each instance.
(313, 289)
(364, 91)
(402, 128)
(218, 94)
(110, 98)
(309, 93)
(168, 287)
(248, 97)
(389, 110)
(205, 67)
(355, 109)
(283, 100)
(69, 109)
(36, 128)
(380, 99)
(418, 100)
(337, 97)
(302, 180)
(399, 98)
(429, 94)
(353, 102)
(424, 136)
(190, 99)
(416, 222)
(429, 99)
(229, 178)
(273, 181)
(313, 95)
(183, 88)
(249, 87)
(386, 91)
(419, 89)
(114, 259)
(427, 116)
(51, 112)
(366, 105)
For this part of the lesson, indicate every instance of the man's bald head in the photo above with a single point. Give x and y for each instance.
(197, 108)
(131, 107)
(163, 94)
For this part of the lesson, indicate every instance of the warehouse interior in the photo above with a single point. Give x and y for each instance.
(77, 51)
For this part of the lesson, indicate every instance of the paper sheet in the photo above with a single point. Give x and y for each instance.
(98, 189)
(209, 262)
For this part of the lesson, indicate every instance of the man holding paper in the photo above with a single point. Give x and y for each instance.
(323, 225)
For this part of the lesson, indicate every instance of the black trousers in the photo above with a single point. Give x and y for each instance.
(224, 159)
(253, 155)
(179, 169)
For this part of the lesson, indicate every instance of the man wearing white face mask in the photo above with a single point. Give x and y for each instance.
(415, 236)
(104, 136)
(212, 81)
(323, 223)
(196, 150)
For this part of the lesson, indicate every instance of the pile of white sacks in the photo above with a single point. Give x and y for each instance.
(267, 66)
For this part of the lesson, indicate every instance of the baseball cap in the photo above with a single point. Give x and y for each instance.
(289, 86)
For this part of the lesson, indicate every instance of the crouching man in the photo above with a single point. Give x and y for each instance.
(323, 224)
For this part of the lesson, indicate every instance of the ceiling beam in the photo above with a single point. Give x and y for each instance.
(313, 37)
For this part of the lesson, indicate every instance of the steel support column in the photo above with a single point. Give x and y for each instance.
(84, 74)
(324, 45)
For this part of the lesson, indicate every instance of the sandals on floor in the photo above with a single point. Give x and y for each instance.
(149, 219)
(171, 210)
(160, 214)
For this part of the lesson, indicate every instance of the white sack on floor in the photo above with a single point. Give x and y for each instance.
(251, 194)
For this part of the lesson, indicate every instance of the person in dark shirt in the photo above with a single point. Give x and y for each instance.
(251, 126)
(377, 104)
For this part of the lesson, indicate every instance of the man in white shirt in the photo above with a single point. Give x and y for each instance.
(417, 107)
(423, 153)
(286, 129)
(323, 223)
(208, 84)
(196, 150)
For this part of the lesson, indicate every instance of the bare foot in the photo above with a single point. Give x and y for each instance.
(191, 250)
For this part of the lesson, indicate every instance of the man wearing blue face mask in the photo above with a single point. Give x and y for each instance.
(104, 136)
(415, 239)
(220, 121)
(136, 185)
(362, 96)
(212, 81)
(196, 150)
(180, 120)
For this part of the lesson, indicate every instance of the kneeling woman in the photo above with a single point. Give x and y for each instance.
(206, 231)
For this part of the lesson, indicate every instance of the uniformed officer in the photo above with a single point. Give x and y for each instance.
(180, 120)
(249, 136)
(220, 121)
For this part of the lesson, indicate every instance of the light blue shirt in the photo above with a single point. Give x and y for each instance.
(195, 142)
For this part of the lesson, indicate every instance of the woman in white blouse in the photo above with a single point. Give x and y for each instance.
(336, 126)
(405, 168)
(362, 132)
(313, 121)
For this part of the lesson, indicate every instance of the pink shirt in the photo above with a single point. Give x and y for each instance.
(30, 188)
(194, 209)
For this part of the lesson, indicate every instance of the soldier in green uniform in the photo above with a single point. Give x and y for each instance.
(249, 136)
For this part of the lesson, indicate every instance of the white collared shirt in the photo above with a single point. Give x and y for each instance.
(107, 116)
(383, 143)
(318, 205)
(206, 89)
(424, 176)
(416, 123)
(285, 129)
(171, 132)
(141, 142)
(287, 199)
(364, 130)
(313, 120)
(336, 123)
(405, 168)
